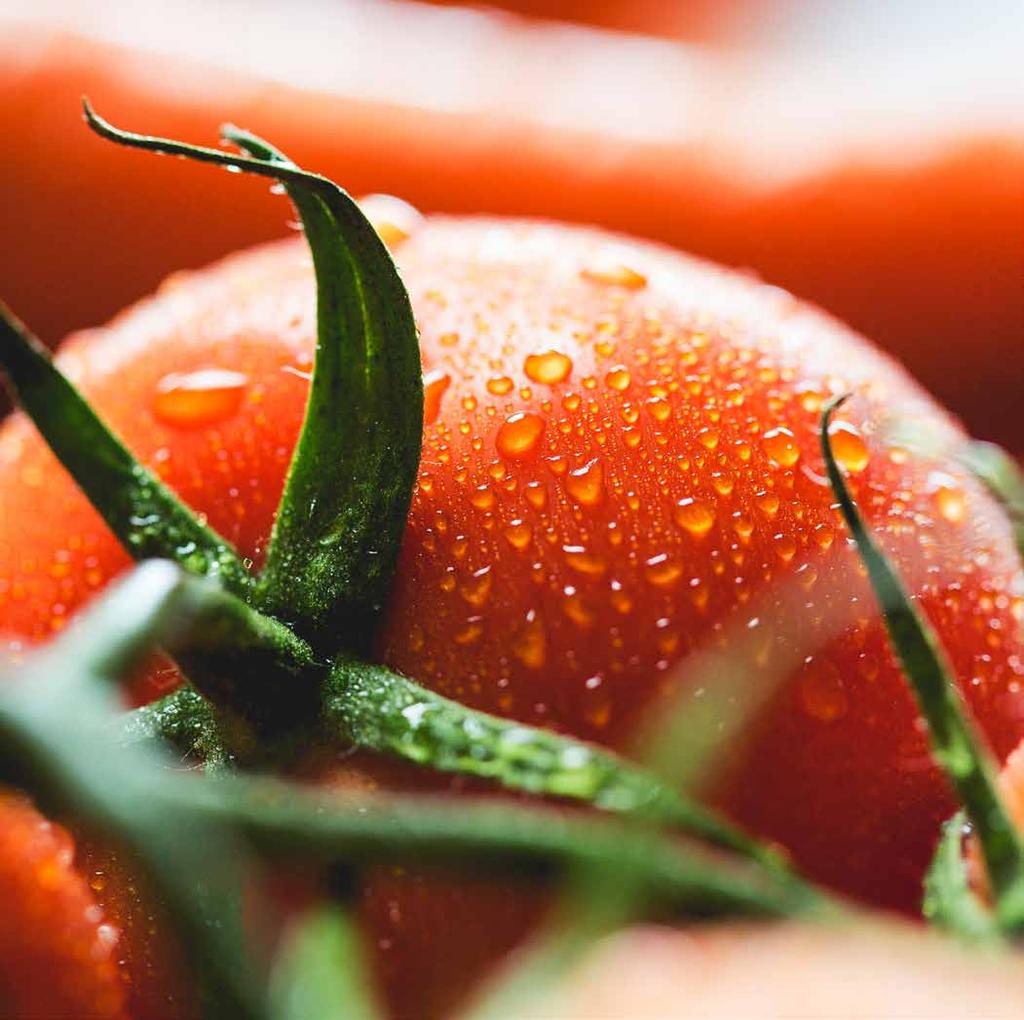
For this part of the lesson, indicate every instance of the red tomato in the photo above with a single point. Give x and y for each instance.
(57, 956)
(620, 494)
(773, 973)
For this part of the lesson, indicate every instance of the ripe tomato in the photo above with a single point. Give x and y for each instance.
(620, 500)
(57, 956)
(769, 973)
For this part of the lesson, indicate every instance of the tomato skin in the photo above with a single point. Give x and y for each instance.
(620, 475)
(58, 956)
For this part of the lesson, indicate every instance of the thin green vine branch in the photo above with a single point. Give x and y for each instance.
(955, 745)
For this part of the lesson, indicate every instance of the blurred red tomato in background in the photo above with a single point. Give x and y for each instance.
(872, 161)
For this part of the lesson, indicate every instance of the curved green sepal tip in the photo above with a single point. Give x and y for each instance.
(339, 526)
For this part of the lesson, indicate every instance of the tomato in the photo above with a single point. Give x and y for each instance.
(768, 973)
(58, 958)
(905, 223)
(620, 504)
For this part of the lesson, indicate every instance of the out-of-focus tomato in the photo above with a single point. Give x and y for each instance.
(907, 225)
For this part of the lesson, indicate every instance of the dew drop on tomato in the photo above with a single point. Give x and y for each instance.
(694, 517)
(848, 446)
(518, 534)
(392, 218)
(951, 503)
(547, 367)
(780, 445)
(478, 588)
(499, 385)
(822, 694)
(530, 644)
(586, 484)
(584, 562)
(618, 379)
(662, 572)
(519, 435)
(435, 384)
(610, 271)
(196, 399)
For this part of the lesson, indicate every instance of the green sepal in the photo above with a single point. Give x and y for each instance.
(147, 518)
(955, 745)
(320, 972)
(949, 901)
(384, 711)
(339, 526)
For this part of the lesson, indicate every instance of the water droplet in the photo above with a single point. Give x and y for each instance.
(695, 517)
(530, 643)
(519, 434)
(393, 219)
(767, 503)
(780, 445)
(499, 385)
(536, 495)
(785, 547)
(548, 367)
(584, 562)
(617, 379)
(195, 399)
(848, 446)
(469, 633)
(434, 386)
(659, 408)
(518, 534)
(586, 484)
(708, 438)
(597, 706)
(822, 693)
(482, 497)
(611, 271)
(949, 499)
(661, 571)
(477, 589)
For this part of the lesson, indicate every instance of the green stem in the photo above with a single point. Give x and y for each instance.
(955, 744)
(1002, 476)
(384, 711)
(497, 839)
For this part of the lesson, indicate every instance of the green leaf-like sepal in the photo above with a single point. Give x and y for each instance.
(954, 743)
(147, 518)
(339, 526)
